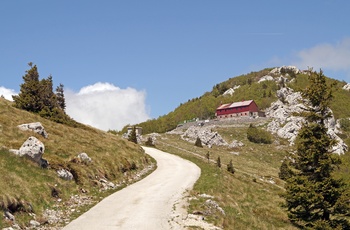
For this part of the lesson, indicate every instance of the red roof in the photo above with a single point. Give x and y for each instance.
(235, 104)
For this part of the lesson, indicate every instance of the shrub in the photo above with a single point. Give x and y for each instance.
(218, 162)
(285, 172)
(258, 135)
(149, 142)
(230, 167)
(198, 143)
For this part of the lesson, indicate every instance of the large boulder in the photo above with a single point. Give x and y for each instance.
(36, 127)
(34, 150)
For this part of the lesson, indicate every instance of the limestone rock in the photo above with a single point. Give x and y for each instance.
(231, 91)
(84, 158)
(266, 78)
(285, 69)
(36, 127)
(286, 123)
(33, 149)
(206, 135)
(65, 174)
(346, 87)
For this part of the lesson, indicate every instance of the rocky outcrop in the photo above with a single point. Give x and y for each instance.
(287, 121)
(34, 150)
(266, 78)
(346, 87)
(285, 69)
(206, 135)
(36, 127)
(231, 91)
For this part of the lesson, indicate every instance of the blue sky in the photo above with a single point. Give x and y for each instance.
(127, 61)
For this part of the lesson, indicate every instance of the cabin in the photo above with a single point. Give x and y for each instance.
(239, 109)
(137, 129)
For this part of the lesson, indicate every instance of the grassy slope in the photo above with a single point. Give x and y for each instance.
(23, 180)
(248, 197)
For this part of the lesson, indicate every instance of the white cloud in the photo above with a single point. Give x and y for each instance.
(7, 93)
(106, 106)
(334, 57)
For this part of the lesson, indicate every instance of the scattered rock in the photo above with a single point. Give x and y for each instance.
(84, 158)
(65, 174)
(9, 216)
(36, 127)
(236, 144)
(34, 223)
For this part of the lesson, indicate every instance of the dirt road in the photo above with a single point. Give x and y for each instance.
(147, 204)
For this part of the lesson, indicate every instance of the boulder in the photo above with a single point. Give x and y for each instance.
(33, 149)
(36, 127)
(65, 174)
(84, 158)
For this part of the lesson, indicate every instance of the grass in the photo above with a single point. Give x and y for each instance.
(24, 182)
(251, 196)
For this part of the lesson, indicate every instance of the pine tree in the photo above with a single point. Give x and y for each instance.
(230, 167)
(198, 143)
(314, 198)
(132, 136)
(61, 101)
(29, 96)
(218, 162)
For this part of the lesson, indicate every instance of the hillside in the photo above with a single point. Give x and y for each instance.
(34, 193)
(251, 197)
(260, 86)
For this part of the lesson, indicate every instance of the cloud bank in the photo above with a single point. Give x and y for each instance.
(106, 106)
(7, 93)
(334, 57)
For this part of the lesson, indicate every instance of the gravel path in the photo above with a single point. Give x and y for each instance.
(147, 204)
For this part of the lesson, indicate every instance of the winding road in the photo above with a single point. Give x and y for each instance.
(147, 204)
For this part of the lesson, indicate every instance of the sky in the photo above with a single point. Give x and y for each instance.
(124, 62)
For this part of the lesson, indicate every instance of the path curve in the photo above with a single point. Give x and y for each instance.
(147, 204)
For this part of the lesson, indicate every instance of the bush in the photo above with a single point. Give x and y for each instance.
(285, 172)
(149, 142)
(258, 135)
(198, 143)
(218, 162)
(230, 167)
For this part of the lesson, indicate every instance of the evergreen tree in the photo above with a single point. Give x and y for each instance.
(29, 95)
(198, 143)
(132, 135)
(218, 162)
(314, 198)
(230, 167)
(61, 101)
